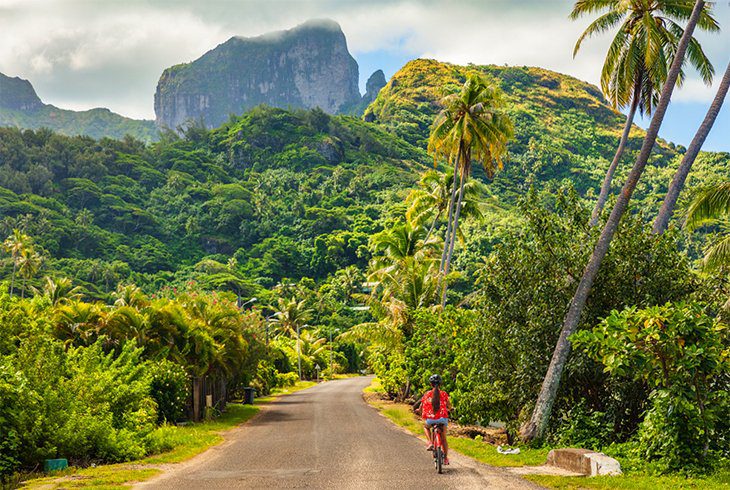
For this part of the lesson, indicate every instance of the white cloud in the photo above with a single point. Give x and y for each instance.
(81, 54)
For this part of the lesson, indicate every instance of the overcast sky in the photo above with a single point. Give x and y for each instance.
(81, 54)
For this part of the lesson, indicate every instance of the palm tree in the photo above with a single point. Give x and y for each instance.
(431, 200)
(544, 404)
(129, 295)
(78, 323)
(392, 246)
(471, 126)
(638, 59)
(29, 263)
(290, 315)
(59, 291)
(712, 204)
(670, 201)
(14, 245)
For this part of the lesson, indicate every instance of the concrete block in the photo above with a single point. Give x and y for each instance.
(583, 461)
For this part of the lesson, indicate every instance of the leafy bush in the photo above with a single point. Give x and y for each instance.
(82, 404)
(677, 349)
(266, 378)
(580, 427)
(9, 439)
(286, 379)
(170, 388)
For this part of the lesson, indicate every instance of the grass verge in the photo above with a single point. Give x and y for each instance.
(177, 443)
(719, 480)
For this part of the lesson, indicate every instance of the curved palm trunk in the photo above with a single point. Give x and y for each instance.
(447, 265)
(535, 427)
(670, 201)
(606, 186)
(450, 221)
(433, 226)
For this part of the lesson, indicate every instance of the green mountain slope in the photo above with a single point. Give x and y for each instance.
(20, 107)
(563, 127)
(287, 194)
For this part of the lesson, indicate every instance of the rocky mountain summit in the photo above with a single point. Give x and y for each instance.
(304, 67)
(18, 94)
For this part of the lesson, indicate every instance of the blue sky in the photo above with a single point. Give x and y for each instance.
(81, 54)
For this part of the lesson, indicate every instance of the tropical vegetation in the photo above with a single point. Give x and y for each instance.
(137, 278)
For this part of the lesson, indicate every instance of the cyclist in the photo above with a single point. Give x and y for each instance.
(435, 406)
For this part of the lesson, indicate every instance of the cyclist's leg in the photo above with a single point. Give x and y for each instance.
(427, 430)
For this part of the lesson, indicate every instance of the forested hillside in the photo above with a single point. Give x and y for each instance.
(295, 194)
(21, 107)
(287, 194)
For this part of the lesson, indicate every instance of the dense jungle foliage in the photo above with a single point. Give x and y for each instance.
(233, 253)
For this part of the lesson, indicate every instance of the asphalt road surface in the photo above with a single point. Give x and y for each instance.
(327, 437)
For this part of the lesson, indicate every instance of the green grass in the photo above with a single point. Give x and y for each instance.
(180, 443)
(486, 453)
(375, 387)
(719, 480)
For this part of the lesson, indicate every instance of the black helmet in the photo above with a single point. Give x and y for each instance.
(435, 379)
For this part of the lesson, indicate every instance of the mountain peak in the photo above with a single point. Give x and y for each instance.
(18, 94)
(307, 66)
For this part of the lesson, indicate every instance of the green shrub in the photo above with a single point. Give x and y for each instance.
(579, 427)
(266, 378)
(10, 384)
(678, 350)
(82, 404)
(286, 379)
(162, 439)
(170, 388)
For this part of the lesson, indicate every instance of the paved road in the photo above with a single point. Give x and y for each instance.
(326, 437)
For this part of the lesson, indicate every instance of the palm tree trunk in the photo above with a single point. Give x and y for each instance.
(447, 266)
(196, 398)
(606, 186)
(12, 278)
(535, 427)
(433, 226)
(670, 201)
(450, 220)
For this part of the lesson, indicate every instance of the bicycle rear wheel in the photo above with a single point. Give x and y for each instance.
(439, 459)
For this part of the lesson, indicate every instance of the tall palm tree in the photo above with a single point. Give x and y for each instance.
(638, 58)
(471, 126)
(14, 245)
(680, 177)
(544, 404)
(431, 200)
(29, 263)
(710, 205)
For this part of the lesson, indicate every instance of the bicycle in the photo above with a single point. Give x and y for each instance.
(438, 447)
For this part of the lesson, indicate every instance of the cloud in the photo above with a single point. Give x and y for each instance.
(112, 58)
(80, 54)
